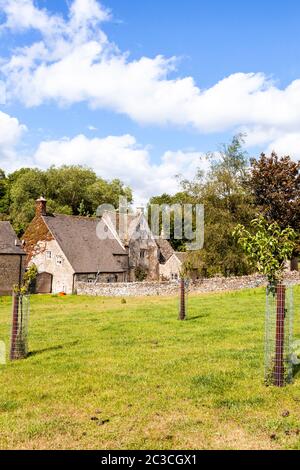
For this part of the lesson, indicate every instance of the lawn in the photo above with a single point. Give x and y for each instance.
(103, 374)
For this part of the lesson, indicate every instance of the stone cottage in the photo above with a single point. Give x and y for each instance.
(12, 259)
(134, 234)
(67, 249)
(172, 269)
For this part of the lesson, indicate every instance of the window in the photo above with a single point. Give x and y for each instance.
(59, 260)
(91, 278)
(143, 254)
(48, 255)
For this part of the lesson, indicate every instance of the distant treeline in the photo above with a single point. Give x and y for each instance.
(73, 190)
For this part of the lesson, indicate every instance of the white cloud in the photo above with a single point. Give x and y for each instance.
(111, 157)
(11, 132)
(279, 140)
(121, 157)
(2, 93)
(22, 15)
(286, 144)
(75, 62)
(87, 12)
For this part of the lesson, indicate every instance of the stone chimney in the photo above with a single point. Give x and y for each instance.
(41, 207)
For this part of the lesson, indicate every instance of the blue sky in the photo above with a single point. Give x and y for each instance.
(141, 115)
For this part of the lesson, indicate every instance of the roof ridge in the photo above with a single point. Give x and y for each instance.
(85, 217)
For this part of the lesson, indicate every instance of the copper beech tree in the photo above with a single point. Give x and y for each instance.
(275, 184)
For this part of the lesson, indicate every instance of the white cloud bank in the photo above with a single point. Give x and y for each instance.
(75, 62)
(121, 157)
(111, 157)
(11, 132)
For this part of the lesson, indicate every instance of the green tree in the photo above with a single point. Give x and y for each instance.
(227, 202)
(68, 185)
(26, 186)
(268, 247)
(106, 192)
(168, 200)
(4, 193)
(73, 190)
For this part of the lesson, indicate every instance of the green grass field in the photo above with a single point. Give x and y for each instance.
(108, 375)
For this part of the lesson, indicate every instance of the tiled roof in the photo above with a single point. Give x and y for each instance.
(182, 256)
(9, 242)
(165, 249)
(86, 252)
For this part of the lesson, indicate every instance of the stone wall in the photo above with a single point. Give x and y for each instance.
(144, 289)
(103, 278)
(130, 289)
(10, 267)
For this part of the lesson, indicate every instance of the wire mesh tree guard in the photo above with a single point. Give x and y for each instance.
(19, 331)
(279, 336)
(183, 298)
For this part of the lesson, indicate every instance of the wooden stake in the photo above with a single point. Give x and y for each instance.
(182, 310)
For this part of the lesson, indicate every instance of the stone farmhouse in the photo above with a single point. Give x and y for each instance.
(12, 259)
(70, 249)
(66, 249)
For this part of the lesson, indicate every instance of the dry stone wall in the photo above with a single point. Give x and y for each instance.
(144, 289)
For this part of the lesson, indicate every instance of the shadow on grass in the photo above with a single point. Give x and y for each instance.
(52, 348)
(197, 318)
